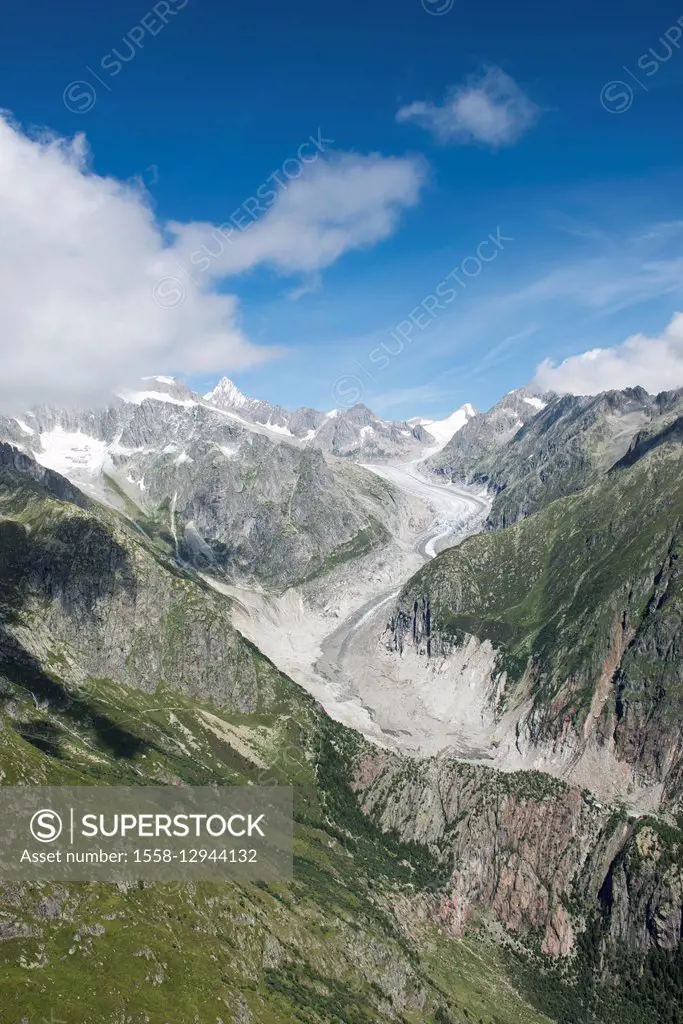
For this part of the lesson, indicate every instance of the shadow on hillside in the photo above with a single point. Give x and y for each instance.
(645, 443)
(76, 562)
(22, 670)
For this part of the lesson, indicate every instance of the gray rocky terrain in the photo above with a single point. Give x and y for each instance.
(529, 450)
(246, 498)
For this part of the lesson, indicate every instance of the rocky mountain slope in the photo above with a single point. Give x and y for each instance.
(580, 882)
(423, 891)
(530, 450)
(354, 432)
(580, 608)
(471, 454)
(232, 495)
(302, 423)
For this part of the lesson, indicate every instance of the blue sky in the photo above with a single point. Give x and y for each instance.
(553, 128)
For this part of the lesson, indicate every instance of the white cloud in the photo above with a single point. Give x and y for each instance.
(81, 255)
(309, 286)
(653, 363)
(490, 108)
(344, 202)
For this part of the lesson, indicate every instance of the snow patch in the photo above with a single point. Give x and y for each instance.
(229, 451)
(277, 429)
(73, 453)
(24, 427)
(535, 403)
(443, 430)
(138, 397)
(136, 483)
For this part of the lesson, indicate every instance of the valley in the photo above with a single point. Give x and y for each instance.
(472, 680)
(326, 637)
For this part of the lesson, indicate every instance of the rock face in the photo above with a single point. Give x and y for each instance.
(272, 512)
(514, 844)
(358, 432)
(16, 466)
(79, 587)
(582, 603)
(471, 455)
(536, 855)
(228, 397)
(642, 893)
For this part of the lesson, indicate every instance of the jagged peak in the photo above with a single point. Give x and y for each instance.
(226, 392)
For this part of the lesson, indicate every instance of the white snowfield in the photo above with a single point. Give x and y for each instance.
(138, 397)
(73, 454)
(443, 430)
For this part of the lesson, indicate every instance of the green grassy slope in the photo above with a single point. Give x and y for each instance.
(582, 601)
(326, 947)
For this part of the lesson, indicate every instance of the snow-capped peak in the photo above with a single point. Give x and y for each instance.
(227, 394)
(530, 396)
(443, 430)
(138, 397)
(159, 389)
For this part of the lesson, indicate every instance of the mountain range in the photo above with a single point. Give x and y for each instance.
(214, 474)
(460, 642)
